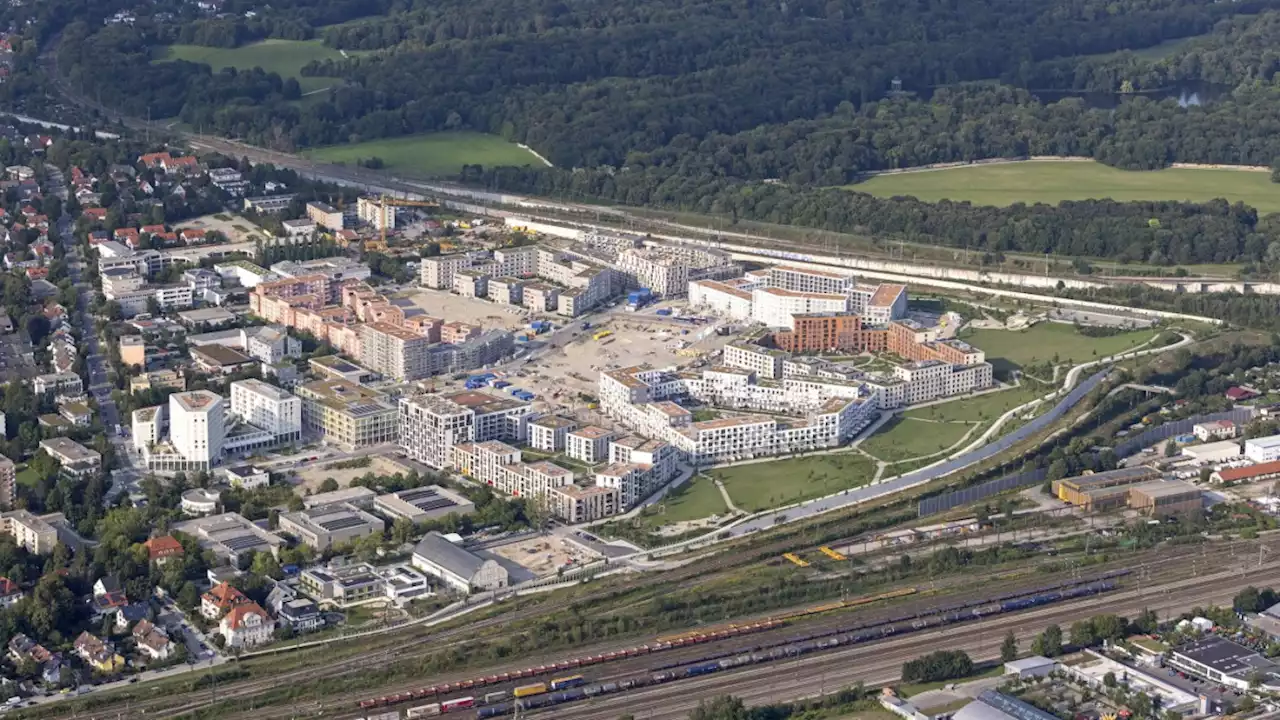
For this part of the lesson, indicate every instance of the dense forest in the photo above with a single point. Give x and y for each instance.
(753, 109)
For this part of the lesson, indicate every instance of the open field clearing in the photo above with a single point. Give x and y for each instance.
(760, 486)
(1054, 182)
(906, 438)
(1051, 341)
(696, 499)
(442, 153)
(283, 57)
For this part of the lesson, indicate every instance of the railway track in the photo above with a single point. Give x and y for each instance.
(1150, 570)
(1147, 589)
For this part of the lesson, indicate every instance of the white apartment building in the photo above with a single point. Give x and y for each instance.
(879, 304)
(517, 262)
(394, 352)
(809, 280)
(267, 407)
(431, 425)
(664, 274)
(726, 299)
(324, 215)
(471, 283)
(371, 210)
(829, 412)
(197, 427)
(589, 444)
(932, 379)
(437, 272)
(763, 361)
(774, 307)
(550, 433)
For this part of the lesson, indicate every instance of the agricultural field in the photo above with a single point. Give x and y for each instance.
(283, 57)
(1053, 182)
(760, 486)
(1050, 341)
(910, 437)
(433, 154)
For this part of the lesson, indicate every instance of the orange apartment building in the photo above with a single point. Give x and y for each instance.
(817, 332)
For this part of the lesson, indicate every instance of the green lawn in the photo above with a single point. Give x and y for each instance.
(27, 477)
(284, 57)
(696, 499)
(1047, 340)
(1053, 182)
(905, 438)
(760, 486)
(983, 407)
(442, 153)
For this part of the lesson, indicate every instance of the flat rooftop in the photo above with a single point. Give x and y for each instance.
(553, 422)
(220, 355)
(195, 400)
(591, 432)
(262, 388)
(346, 396)
(395, 331)
(69, 449)
(483, 403)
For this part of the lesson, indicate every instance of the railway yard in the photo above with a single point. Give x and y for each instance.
(817, 647)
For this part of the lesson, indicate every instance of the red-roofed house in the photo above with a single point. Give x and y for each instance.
(128, 236)
(154, 159)
(37, 273)
(192, 235)
(184, 164)
(246, 625)
(220, 599)
(95, 214)
(10, 593)
(152, 229)
(160, 549)
(1238, 394)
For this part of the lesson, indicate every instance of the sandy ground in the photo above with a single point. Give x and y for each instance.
(437, 303)
(311, 477)
(544, 554)
(237, 230)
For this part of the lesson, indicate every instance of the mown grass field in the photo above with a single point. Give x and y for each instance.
(910, 437)
(1054, 182)
(284, 57)
(442, 153)
(760, 486)
(983, 408)
(1047, 340)
(697, 499)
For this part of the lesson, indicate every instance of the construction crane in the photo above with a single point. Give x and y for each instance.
(386, 213)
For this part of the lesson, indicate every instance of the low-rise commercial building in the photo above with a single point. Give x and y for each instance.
(342, 585)
(230, 536)
(423, 503)
(325, 526)
(459, 568)
(75, 459)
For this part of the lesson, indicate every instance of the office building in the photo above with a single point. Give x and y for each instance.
(197, 427)
(1263, 449)
(326, 526)
(349, 415)
(267, 407)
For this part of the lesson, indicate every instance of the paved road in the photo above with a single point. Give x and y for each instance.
(919, 477)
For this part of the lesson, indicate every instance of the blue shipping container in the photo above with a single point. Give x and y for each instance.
(664, 311)
(501, 384)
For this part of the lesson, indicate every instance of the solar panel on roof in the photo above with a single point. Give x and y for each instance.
(364, 409)
(243, 542)
(412, 495)
(343, 367)
(438, 503)
(341, 523)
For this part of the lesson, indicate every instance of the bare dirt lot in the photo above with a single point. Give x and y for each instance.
(237, 229)
(437, 303)
(544, 554)
(311, 477)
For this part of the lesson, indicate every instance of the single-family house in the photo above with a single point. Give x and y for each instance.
(247, 625)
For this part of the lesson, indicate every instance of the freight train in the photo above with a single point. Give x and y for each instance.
(802, 646)
(905, 623)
